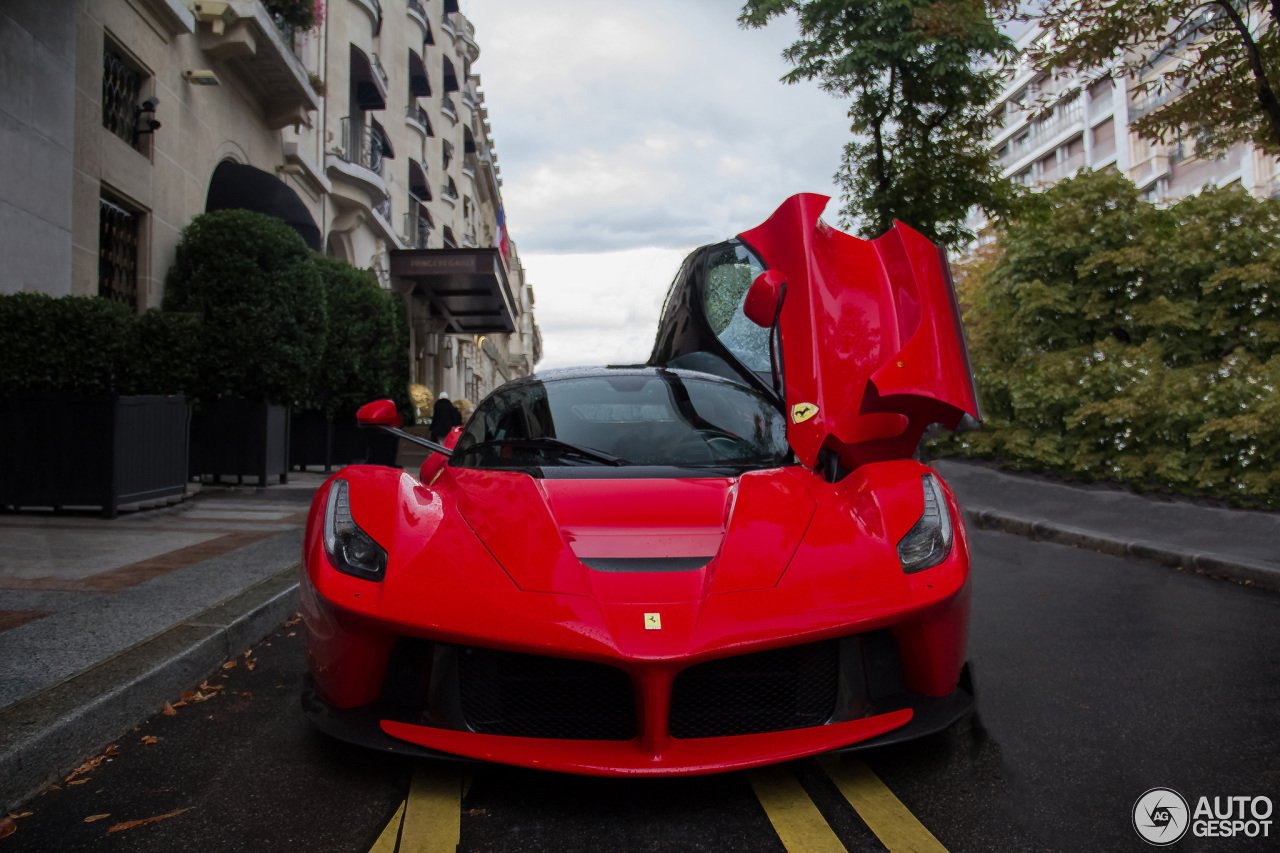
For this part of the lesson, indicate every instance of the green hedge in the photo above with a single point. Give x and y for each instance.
(1115, 340)
(257, 291)
(86, 345)
(365, 350)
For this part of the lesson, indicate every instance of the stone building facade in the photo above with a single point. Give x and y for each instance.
(124, 119)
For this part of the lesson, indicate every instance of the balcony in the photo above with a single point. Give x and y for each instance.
(242, 38)
(419, 13)
(355, 165)
(416, 117)
(449, 109)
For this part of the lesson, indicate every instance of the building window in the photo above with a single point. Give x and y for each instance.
(121, 94)
(119, 230)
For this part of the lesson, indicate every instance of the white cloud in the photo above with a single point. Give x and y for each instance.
(629, 132)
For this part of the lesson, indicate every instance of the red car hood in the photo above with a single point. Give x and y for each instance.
(872, 347)
(602, 538)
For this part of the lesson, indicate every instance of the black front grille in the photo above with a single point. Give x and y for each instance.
(771, 691)
(504, 693)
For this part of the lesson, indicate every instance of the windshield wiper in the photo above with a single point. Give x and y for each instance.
(553, 444)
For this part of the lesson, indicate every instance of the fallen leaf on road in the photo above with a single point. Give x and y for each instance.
(111, 751)
(150, 739)
(231, 664)
(20, 815)
(78, 781)
(187, 695)
(7, 827)
(97, 817)
(130, 824)
(250, 664)
(477, 812)
(297, 617)
(169, 710)
(293, 633)
(204, 685)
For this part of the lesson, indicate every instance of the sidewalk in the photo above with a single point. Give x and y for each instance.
(101, 622)
(1234, 544)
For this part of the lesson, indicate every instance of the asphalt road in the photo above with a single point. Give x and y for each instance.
(1098, 679)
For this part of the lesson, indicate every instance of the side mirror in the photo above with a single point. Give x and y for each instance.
(764, 298)
(379, 413)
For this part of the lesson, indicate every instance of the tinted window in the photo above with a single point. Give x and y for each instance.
(660, 418)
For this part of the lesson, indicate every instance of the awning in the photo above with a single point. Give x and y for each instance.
(419, 85)
(370, 90)
(467, 288)
(236, 186)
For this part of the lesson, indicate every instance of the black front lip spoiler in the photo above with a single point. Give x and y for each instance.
(930, 715)
(362, 727)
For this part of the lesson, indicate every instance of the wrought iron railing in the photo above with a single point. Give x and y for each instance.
(416, 6)
(450, 109)
(383, 209)
(361, 144)
(417, 114)
(121, 92)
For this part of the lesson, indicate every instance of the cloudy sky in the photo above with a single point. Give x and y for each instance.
(629, 132)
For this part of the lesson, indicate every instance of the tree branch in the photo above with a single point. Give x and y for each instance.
(1266, 95)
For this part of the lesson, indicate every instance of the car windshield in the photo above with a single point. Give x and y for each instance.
(657, 418)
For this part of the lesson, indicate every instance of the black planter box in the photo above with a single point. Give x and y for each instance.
(236, 438)
(70, 450)
(317, 440)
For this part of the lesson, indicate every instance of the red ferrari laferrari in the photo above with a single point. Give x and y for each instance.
(721, 559)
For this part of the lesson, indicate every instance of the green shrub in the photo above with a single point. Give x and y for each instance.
(1115, 340)
(365, 355)
(255, 288)
(85, 345)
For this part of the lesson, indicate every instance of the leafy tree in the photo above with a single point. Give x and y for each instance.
(1218, 62)
(921, 75)
(253, 284)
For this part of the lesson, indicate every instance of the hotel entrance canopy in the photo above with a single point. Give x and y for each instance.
(466, 287)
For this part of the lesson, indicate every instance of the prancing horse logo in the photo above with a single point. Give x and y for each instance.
(802, 412)
(653, 621)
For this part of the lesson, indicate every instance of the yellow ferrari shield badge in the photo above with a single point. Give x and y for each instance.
(653, 621)
(802, 412)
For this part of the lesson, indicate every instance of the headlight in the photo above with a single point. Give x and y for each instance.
(350, 549)
(928, 542)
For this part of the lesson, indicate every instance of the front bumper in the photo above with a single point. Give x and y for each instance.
(869, 707)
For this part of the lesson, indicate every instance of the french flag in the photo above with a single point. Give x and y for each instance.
(504, 249)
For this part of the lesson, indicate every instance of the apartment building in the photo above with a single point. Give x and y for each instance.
(366, 131)
(1052, 126)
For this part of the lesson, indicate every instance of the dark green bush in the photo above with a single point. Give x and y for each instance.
(365, 356)
(85, 345)
(255, 288)
(71, 344)
(1115, 340)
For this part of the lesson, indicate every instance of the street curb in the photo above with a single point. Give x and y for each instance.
(1213, 565)
(51, 733)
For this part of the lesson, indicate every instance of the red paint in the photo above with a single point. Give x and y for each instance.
(870, 335)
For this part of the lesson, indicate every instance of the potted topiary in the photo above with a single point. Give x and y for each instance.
(364, 359)
(91, 405)
(256, 289)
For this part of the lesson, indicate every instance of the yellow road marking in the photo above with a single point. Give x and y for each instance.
(886, 816)
(433, 812)
(800, 826)
(430, 818)
(386, 842)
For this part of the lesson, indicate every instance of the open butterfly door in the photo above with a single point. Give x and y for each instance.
(869, 342)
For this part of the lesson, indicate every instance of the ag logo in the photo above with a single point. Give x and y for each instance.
(802, 412)
(1161, 817)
